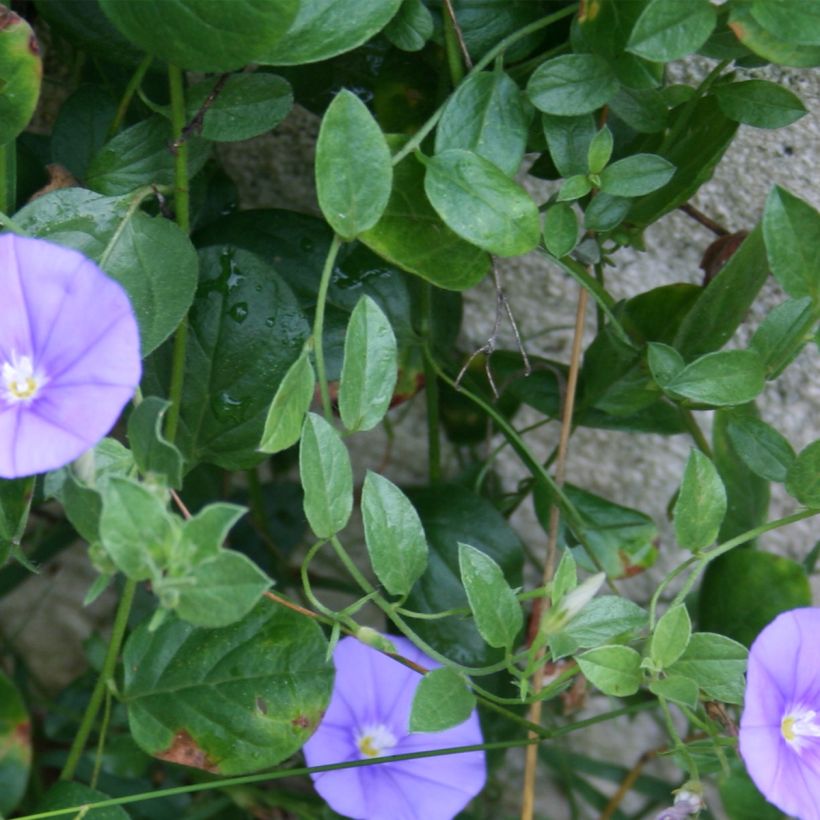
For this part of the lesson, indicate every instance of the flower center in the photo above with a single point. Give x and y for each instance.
(375, 741)
(21, 382)
(798, 724)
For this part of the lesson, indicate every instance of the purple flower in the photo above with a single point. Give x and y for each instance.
(69, 355)
(368, 717)
(780, 726)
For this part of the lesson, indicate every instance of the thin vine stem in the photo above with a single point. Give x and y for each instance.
(128, 95)
(319, 325)
(431, 393)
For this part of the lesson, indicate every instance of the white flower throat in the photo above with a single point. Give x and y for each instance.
(798, 725)
(20, 380)
(375, 741)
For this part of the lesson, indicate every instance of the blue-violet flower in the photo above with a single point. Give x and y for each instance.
(69, 355)
(369, 717)
(780, 725)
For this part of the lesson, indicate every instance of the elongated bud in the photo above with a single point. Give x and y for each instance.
(375, 639)
(571, 604)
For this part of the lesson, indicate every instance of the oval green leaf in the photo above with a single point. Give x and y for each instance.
(15, 746)
(701, 504)
(560, 229)
(636, 175)
(725, 378)
(572, 84)
(442, 700)
(21, 72)
(760, 103)
(668, 29)
(803, 477)
(615, 670)
(283, 426)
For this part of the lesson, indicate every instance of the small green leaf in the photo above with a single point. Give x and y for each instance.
(64, 795)
(153, 453)
(615, 670)
(643, 109)
(600, 151)
(15, 746)
(668, 29)
(636, 175)
(560, 229)
(369, 368)
(760, 103)
(481, 204)
(664, 362)
(246, 106)
(605, 212)
(21, 73)
(327, 477)
(794, 21)
(412, 26)
(203, 535)
(286, 415)
(137, 531)
(354, 172)
(791, 229)
(572, 84)
(442, 700)
(717, 664)
(783, 333)
(15, 499)
(701, 503)
(219, 591)
(394, 535)
(568, 139)
(803, 477)
(670, 637)
(676, 688)
(725, 378)
(494, 606)
(574, 187)
(764, 451)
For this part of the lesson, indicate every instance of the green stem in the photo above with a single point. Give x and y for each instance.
(8, 222)
(106, 674)
(451, 46)
(133, 84)
(694, 430)
(8, 177)
(182, 206)
(680, 746)
(431, 393)
(319, 325)
(416, 140)
(98, 760)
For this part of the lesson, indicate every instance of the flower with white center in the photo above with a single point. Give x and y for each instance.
(780, 726)
(69, 355)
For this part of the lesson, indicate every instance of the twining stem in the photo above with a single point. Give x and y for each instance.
(8, 177)
(431, 393)
(531, 759)
(319, 326)
(125, 101)
(182, 207)
(106, 674)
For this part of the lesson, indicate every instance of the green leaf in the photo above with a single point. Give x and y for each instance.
(203, 535)
(15, 499)
(783, 333)
(794, 21)
(217, 36)
(765, 451)
(745, 590)
(615, 670)
(149, 256)
(664, 362)
(636, 175)
(676, 688)
(394, 535)
(670, 637)
(412, 26)
(15, 746)
(572, 84)
(137, 531)
(717, 664)
(560, 229)
(21, 72)
(605, 212)
(138, 156)
(743, 22)
(153, 453)
(450, 514)
(568, 139)
(286, 415)
(701, 503)
(565, 578)
(803, 477)
(327, 477)
(728, 377)
(63, 795)
(324, 28)
(246, 105)
(369, 368)
(601, 621)
(495, 608)
(600, 151)
(411, 235)
(723, 304)
(791, 229)
(760, 103)
(643, 109)
(481, 204)
(668, 29)
(246, 329)
(574, 187)
(354, 172)
(219, 591)
(230, 700)
(489, 115)
(442, 700)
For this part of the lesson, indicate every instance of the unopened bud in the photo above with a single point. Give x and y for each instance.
(375, 639)
(571, 604)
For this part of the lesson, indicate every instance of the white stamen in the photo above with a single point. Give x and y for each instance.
(21, 381)
(799, 723)
(375, 741)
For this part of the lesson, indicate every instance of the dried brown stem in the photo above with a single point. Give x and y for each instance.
(707, 222)
(194, 127)
(448, 7)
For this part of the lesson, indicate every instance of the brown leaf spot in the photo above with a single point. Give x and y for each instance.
(34, 46)
(719, 253)
(22, 733)
(8, 18)
(185, 751)
(262, 706)
(301, 722)
(738, 29)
